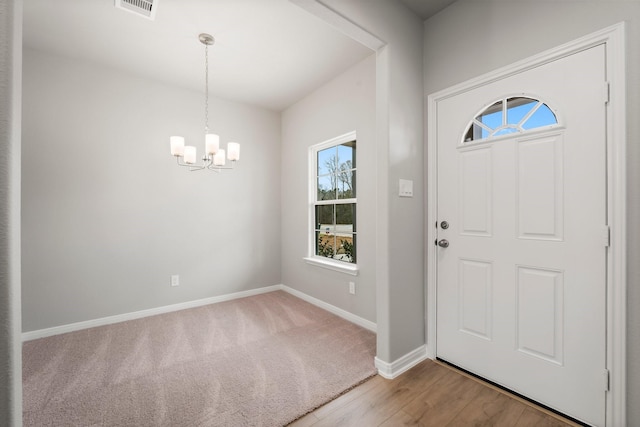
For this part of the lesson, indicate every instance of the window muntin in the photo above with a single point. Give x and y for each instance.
(334, 202)
(508, 116)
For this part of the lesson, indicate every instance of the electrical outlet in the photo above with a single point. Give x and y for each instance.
(175, 280)
(352, 288)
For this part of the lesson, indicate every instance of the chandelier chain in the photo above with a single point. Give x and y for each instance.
(206, 88)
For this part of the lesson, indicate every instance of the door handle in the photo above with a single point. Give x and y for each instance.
(443, 243)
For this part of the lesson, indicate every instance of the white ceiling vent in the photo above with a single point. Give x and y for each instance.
(146, 8)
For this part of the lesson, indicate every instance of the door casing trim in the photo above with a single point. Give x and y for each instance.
(613, 38)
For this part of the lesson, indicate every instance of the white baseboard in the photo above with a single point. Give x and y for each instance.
(406, 362)
(63, 329)
(367, 324)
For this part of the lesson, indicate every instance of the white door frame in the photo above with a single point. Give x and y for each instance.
(613, 38)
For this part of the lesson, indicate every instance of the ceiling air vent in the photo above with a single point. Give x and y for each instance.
(145, 8)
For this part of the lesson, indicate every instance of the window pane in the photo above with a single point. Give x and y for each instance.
(347, 155)
(327, 187)
(324, 218)
(474, 133)
(346, 185)
(517, 108)
(493, 120)
(327, 161)
(492, 117)
(346, 248)
(345, 227)
(346, 218)
(542, 117)
(325, 244)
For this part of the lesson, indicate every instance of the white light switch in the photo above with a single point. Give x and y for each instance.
(406, 188)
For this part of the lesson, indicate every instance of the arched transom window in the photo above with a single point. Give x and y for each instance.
(508, 116)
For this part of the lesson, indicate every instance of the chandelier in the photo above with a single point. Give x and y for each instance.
(214, 157)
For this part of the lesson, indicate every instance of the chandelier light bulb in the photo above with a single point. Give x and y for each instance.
(177, 146)
(234, 151)
(189, 154)
(212, 143)
(219, 159)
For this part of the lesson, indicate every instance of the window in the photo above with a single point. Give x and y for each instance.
(508, 116)
(333, 201)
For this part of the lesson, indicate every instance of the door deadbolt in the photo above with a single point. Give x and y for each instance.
(443, 243)
(444, 225)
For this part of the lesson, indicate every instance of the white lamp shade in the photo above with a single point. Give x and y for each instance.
(219, 159)
(177, 145)
(212, 143)
(234, 151)
(190, 154)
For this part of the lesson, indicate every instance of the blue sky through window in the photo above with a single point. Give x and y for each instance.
(542, 117)
(515, 114)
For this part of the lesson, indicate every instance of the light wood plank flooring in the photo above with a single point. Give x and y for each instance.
(430, 394)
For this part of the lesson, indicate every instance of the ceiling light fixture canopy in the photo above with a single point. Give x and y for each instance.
(214, 157)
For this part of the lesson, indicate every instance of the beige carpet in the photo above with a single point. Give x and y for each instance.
(259, 361)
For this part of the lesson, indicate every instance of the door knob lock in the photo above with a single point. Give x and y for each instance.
(443, 243)
(444, 225)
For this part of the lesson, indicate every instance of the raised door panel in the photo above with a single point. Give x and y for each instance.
(540, 198)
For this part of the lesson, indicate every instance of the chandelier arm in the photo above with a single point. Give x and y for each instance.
(215, 168)
(192, 167)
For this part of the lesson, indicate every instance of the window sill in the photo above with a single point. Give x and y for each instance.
(341, 267)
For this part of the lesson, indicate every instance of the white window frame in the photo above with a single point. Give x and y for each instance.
(312, 258)
(517, 126)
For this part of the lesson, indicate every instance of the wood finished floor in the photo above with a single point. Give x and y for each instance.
(430, 394)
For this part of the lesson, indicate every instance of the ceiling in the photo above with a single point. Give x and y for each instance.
(425, 9)
(269, 53)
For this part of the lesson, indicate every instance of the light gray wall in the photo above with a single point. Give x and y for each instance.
(107, 216)
(400, 148)
(345, 104)
(10, 107)
(473, 37)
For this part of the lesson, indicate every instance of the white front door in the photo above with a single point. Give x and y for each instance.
(521, 287)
